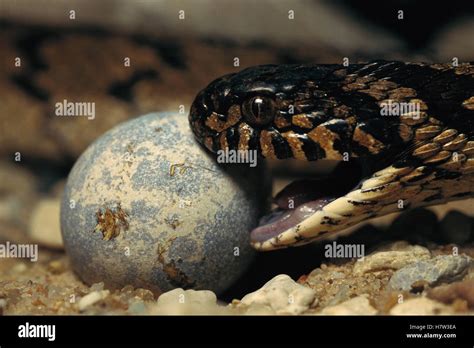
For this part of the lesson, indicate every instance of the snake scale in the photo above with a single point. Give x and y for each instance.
(306, 112)
(418, 156)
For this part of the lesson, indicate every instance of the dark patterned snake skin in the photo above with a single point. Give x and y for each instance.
(419, 154)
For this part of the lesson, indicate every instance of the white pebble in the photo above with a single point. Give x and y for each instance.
(393, 259)
(194, 302)
(283, 295)
(420, 306)
(44, 225)
(359, 305)
(92, 298)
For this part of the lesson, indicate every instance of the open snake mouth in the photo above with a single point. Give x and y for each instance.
(423, 156)
(302, 198)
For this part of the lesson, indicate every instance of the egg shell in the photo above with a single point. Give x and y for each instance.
(146, 205)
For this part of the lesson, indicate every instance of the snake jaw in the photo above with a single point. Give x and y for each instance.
(389, 190)
(330, 219)
(375, 196)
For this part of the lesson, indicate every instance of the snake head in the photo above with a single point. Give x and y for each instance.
(269, 109)
(333, 112)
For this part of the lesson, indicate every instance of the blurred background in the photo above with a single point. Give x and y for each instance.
(177, 48)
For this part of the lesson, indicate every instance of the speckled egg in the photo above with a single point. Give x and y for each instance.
(146, 205)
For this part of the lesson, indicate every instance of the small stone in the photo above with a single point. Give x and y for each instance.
(18, 197)
(315, 272)
(125, 289)
(182, 302)
(283, 295)
(19, 268)
(441, 269)
(56, 267)
(337, 275)
(44, 225)
(393, 259)
(92, 298)
(144, 294)
(97, 287)
(137, 307)
(455, 227)
(3, 305)
(343, 293)
(359, 305)
(420, 306)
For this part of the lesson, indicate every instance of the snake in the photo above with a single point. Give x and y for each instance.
(402, 134)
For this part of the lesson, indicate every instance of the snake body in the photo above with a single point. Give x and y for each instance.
(422, 155)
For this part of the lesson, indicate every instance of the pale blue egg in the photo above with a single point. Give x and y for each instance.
(146, 205)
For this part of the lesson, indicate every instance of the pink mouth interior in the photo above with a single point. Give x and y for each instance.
(281, 220)
(301, 199)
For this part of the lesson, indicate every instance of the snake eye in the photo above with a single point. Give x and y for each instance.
(258, 110)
